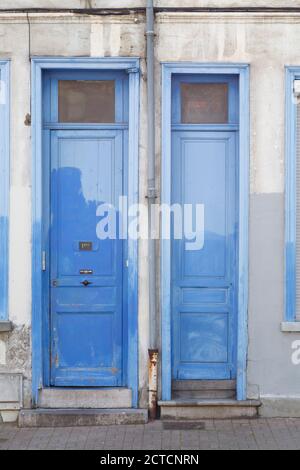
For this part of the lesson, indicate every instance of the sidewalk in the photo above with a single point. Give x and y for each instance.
(246, 434)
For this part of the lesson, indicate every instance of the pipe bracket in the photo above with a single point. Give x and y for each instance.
(152, 193)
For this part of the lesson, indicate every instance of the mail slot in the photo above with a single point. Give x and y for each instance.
(86, 246)
(86, 272)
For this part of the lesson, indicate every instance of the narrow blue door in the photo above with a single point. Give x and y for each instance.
(86, 272)
(204, 169)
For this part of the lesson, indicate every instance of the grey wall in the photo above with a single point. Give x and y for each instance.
(270, 364)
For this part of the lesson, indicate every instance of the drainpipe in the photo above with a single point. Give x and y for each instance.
(153, 351)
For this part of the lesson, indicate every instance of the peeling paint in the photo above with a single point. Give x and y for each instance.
(153, 383)
(18, 357)
(18, 350)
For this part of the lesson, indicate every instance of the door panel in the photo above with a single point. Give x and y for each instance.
(86, 321)
(203, 281)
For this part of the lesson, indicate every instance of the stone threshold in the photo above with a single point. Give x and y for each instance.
(89, 398)
(79, 417)
(195, 409)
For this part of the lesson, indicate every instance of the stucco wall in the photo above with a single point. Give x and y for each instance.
(268, 44)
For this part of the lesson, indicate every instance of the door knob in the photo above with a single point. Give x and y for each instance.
(86, 283)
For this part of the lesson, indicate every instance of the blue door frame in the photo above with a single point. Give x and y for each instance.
(101, 358)
(4, 184)
(170, 70)
(83, 164)
(39, 302)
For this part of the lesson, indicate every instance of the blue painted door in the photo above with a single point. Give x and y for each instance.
(204, 169)
(86, 276)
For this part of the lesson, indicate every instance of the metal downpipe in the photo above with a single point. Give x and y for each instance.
(153, 351)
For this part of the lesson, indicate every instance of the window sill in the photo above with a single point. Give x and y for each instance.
(5, 326)
(290, 327)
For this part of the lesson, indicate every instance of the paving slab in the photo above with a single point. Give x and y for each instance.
(254, 434)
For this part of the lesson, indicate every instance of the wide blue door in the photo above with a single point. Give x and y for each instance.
(204, 169)
(86, 276)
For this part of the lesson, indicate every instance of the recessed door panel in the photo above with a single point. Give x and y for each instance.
(204, 165)
(86, 270)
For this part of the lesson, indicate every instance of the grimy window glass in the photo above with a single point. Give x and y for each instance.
(86, 101)
(204, 103)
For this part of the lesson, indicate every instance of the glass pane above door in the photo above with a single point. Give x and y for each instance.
(86, 101)
(204, 103)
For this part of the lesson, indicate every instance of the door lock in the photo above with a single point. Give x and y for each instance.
(86, 283)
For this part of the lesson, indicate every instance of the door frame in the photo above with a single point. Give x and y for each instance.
(169, 69)
(4, 185)
(40, 65)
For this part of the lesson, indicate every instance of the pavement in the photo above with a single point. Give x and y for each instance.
(258, 434)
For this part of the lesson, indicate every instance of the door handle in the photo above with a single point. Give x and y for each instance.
(86, 283)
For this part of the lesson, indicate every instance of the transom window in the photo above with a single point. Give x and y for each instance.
(204, 103)
(86, 97)
(205, 100)
(86, 101)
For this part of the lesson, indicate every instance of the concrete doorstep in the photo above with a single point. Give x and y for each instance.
(107, 398)
(208, 409)
(80, 417)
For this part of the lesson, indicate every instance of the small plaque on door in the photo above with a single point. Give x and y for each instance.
(86, 271)
(86, 246)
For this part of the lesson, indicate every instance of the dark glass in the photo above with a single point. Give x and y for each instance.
(204, 103)
(85, 101)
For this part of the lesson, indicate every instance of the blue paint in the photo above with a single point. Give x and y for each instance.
(132, 247)
(4, 184)
(46, 210)
(243, 268)
(86, 322)
(204, 172)
(166, 351)
(37, 233)
(41, 210)
(292, 73)
(169, 72)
